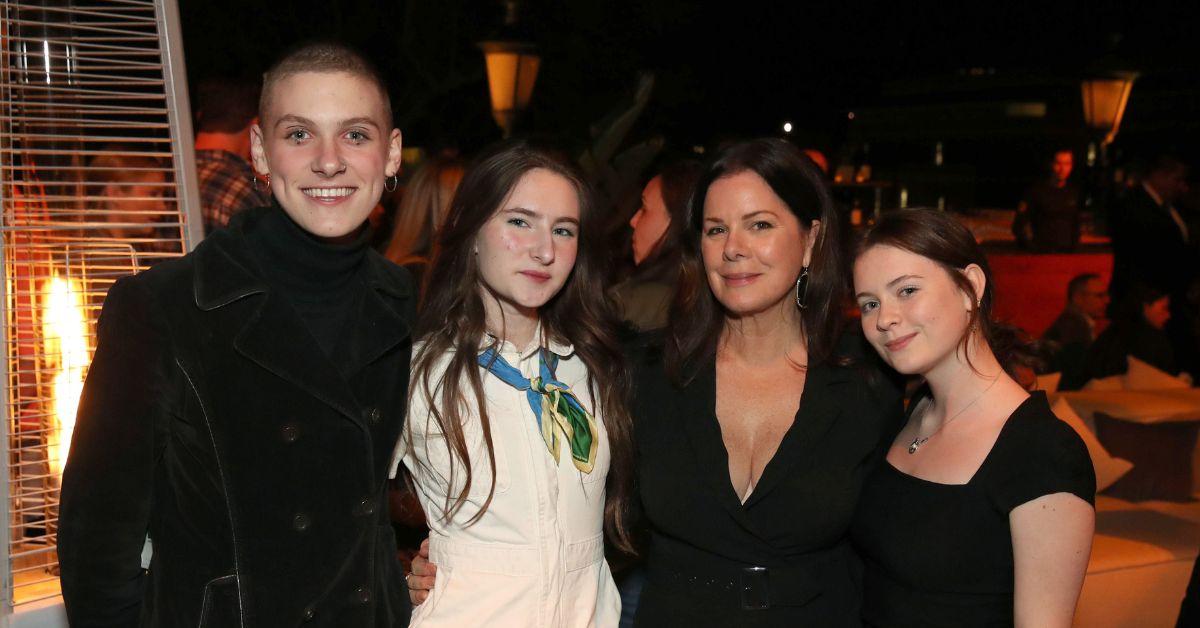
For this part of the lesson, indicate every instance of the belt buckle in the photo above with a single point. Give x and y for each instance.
(753, 589)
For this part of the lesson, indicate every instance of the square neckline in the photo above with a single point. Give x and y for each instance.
(986, 459)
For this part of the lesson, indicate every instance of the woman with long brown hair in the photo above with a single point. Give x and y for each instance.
(518, 433)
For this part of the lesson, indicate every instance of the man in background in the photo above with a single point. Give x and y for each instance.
(225, 109)
(1155, 246)
(1066, 341)
(1048, 215)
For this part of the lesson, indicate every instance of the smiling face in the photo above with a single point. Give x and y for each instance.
(527, 249)
(650, 222)
(752, 244)
(327, 144)
(913, 313)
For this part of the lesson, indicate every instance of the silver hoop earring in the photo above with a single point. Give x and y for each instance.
(395, 180)
(254, 183)
(802, 289)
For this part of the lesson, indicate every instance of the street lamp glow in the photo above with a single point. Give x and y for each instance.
(787, 127)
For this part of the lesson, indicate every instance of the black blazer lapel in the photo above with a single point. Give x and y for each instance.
(697, 403)
(820, 408)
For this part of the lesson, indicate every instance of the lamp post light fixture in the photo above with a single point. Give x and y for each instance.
(1104, 95)
(1104, 100)
(512, 68)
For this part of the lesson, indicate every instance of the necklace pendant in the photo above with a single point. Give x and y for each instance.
(916, 444)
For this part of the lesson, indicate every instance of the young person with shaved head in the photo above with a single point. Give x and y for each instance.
(244, 400)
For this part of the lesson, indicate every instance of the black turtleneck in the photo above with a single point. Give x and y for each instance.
(321, 280)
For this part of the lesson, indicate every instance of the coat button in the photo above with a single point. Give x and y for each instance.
(373, 415)
(301, 522)
(365, 508)
(290, 433)
(364, 595)
(309, 613)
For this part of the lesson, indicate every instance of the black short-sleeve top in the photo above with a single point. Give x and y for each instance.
(941, 554)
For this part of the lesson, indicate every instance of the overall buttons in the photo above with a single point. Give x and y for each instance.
(373, 414)
(365, 508)
(290, 433)
(301, 522)
(363, 594)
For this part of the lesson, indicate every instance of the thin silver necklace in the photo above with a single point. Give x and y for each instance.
(917, 441)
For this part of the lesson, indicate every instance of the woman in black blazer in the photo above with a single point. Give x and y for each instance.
(748, 499)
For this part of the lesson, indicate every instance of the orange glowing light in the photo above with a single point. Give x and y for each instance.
(65, 334)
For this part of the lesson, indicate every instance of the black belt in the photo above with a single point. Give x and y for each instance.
(750, 588)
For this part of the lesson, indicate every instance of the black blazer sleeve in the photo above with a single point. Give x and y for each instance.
(108, 480)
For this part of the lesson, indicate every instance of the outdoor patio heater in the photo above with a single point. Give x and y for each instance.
(97, 181)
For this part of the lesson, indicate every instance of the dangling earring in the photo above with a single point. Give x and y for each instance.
(395, 180)
(802, 289)
(254, 184)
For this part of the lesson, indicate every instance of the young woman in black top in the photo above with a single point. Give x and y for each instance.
(982, 514)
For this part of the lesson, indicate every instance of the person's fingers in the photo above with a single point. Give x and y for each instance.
(424, 551)
(418, 597)
(421, 565)
(421, 583)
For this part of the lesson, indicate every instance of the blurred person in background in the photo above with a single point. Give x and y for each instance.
(422, 209)
(1137, 330)
(1065, 343)
(645, 296)
(1048, 215)
(132, 206)
(225, 110)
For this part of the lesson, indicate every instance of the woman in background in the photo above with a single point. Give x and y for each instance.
(518, 432)
(1137, 330)
(982, 513)
(422, 209)
(645, 296)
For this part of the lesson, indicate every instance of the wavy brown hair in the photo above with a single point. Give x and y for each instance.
(697, 318)
(452, 323)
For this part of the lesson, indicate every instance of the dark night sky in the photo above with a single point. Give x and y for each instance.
(727, 68)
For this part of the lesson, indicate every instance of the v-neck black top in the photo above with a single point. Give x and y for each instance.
(794, 523)
(941, 554)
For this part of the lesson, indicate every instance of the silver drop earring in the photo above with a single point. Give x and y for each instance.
(802, 288)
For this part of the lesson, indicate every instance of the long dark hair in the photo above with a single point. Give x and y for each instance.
(696, 316)
(677, 180)
(937, 236)
(453, 323)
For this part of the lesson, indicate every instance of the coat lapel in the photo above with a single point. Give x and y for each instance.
(820, 408)
(382, 323)
(274, 337)
(697, 404)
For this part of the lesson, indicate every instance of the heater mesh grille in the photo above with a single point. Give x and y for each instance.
(91, 188)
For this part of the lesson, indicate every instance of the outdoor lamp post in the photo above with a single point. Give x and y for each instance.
(512, 68)
(1104, 100)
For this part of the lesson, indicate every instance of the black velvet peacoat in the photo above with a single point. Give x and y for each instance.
(212, 421)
